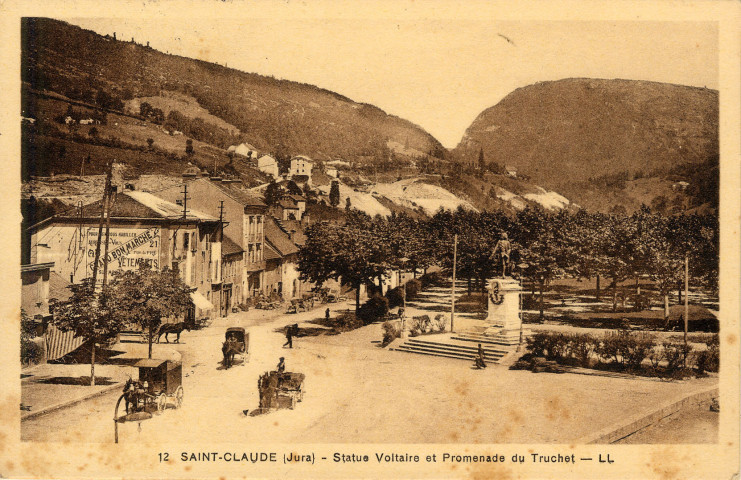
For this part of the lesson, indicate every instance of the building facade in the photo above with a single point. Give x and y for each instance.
(143, 229)
(243, 216)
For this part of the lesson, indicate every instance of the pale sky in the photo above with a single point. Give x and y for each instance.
(439, 74)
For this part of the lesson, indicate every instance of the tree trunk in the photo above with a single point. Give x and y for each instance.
(679, 293)
(598, 292)
(150, 341)
(614, 295)
(357, 298)
(542, 287)
(638, 286)
(92, 364)
(666, 306)
(469, 286)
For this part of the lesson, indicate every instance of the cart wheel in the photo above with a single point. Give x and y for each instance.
(161, 402)
(179, 393)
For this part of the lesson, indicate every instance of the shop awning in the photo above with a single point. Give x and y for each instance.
(200, 301)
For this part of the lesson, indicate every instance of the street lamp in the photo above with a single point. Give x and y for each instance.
(402, 262)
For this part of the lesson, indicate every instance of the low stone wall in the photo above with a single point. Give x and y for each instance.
(633, 424)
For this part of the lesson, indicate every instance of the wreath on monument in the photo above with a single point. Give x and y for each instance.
(494, 295)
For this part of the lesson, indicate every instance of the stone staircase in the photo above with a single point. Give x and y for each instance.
(484, 339)
(451, 347)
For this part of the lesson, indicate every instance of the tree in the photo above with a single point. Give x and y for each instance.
(272, 193)
(145, 109)
(334, 194)
(145, 296)
(150, 142)
(351, 253)
(93, 132)
(293, 188)
(189, 147)
(347, 204)
(482, 162)
(89, 315)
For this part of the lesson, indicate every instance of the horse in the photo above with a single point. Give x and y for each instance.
(131, 394)
(229, 349)
(176, 328)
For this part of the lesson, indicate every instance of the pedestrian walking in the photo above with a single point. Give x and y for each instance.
(289, 337)
(479, 362)
(281, 365)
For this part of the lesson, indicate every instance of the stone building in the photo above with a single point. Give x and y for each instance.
(143, 229)
(243, 216)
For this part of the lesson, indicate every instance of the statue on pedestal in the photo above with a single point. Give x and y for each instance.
(504, 249)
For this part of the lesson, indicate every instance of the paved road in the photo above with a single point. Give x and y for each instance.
(203, 374)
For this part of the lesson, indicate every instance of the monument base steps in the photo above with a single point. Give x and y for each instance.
(451, 348)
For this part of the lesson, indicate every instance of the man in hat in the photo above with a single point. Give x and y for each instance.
(504, 248)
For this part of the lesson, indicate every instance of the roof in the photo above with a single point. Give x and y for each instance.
(150, 362)
(288, 204)
(59, 287)
(32, 267)
(237, 193)
(138, 204)
(167, 209)
(298, 236)
(270, 253)
(278, 238)
(301, 157)
(297, 198)
(229, 246)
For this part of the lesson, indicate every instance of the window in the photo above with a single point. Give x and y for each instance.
(186, 241)
(194, 241)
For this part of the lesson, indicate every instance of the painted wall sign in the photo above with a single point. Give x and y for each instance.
(127, 249)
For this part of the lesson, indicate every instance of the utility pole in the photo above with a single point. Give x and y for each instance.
(79, 217)
(452, 297)
(686, 295)
(222, 224)
(185, 200)
(107, 235)
(103, 215)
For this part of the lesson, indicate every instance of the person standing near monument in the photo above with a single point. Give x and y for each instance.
(479, 362)
(504, 248)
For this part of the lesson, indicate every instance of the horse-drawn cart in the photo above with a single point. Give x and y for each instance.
(164, 381)
(237, 342)
(159, 384)
(280, 390)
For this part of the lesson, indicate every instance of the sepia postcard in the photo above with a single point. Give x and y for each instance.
(370, 240)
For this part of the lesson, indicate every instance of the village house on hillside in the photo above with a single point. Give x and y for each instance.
(268, 165)
(143, 229)
(301, 165)
(289, 207)
(510, 171)
(244, 217)
(244, 149)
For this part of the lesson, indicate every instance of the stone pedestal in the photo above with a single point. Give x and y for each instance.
(504, 320)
